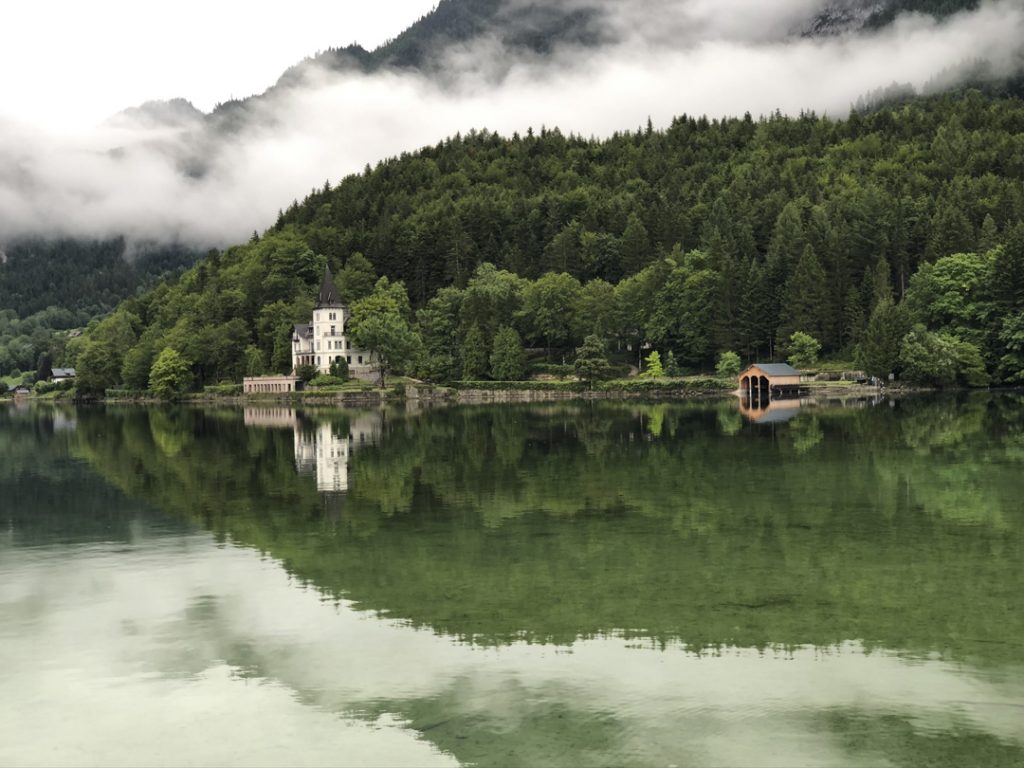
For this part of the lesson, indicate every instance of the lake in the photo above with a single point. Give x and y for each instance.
(571, 584)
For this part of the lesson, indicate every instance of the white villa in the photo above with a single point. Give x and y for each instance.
(325, 341)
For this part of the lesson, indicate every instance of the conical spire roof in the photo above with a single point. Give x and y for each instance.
(329, 294)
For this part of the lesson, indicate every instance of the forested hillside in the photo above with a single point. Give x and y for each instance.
(57, 285)
(708, 236)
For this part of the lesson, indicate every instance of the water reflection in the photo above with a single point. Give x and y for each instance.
(636, 585)
(770, 411)
(322, 449)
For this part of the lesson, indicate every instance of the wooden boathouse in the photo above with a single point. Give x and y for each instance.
(762, 381)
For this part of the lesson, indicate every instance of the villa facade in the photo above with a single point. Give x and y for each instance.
(326, 340)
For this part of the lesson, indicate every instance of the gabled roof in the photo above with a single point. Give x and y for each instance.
(303, 330)
(329, 294)
(62, 373)
(776, 369)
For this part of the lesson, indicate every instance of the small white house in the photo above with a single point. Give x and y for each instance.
(325, 340)
(62, 374)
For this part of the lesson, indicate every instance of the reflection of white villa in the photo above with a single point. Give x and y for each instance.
(325, 452)
(270, 416)
(321, 448)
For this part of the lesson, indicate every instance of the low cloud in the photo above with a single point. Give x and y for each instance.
(169, 173)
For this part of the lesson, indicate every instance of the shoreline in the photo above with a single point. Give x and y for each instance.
(512, 392)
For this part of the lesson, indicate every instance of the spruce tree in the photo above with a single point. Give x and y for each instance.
(635, 246)
(474, 355)
(806, 299)
(879, 350)
(988, 237)
(591, 361)
(951, 232)
(852, 319)
(508, 359)
(1006, 282)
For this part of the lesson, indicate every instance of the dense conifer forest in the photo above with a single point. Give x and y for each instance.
(892, 237)
(50, 286)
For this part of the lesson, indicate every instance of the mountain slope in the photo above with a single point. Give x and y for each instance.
(716, 235)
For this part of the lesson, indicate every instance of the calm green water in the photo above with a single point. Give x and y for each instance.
(664, 585)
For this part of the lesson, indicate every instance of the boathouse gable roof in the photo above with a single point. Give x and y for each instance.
(773, 369)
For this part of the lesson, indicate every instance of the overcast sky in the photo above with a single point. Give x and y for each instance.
(65, 169)
(69, 64)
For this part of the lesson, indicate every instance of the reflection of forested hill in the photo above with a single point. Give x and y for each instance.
(46, 495)
(897, 527)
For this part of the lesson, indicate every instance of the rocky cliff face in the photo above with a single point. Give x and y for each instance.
(843, 16)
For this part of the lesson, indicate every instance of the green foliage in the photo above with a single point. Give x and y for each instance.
(687, 386)
(50, 387)
(941, 360)
(508, 359)
(357, 279)
(1011, 365)
(553, 369)
(380, 325)
(171, 375)
(653, 369)
(339, 369)
(672, 368)
(98, 368)
(44, 367)
(519, 386)
(592, 362)
(223, 390)
(474, 355)
(307, 372)
(51, 287)
(879, 350)
(549, 306)
(803, 350)
(951, 295)
(805, 305)
(327, 381)
(255, 361)
(728, 365)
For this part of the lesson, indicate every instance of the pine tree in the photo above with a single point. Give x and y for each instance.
(1006, 283)
(806, 303)
(951, 232)
(672, 368)
(881, 282)
(755, 329)
(508, 359)
(853, 318)
(635, 246)
(655, 370)
(474, 355)
(988, 237)
(879, 350)
(591, 361)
